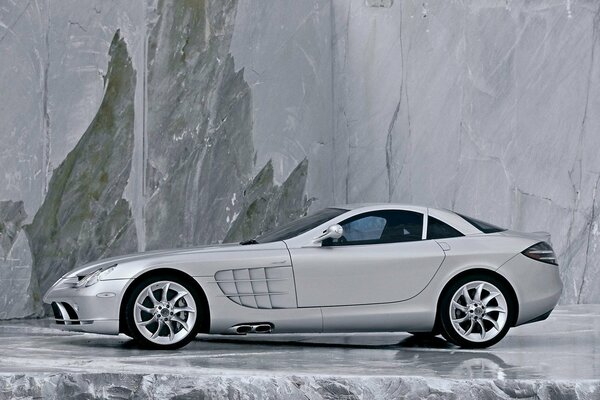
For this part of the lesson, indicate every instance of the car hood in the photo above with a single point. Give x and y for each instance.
(167, 254)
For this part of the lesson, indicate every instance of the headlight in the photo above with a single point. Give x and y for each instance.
(541, 251)
(95, 276)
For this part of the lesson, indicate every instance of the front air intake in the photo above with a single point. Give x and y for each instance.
(60, 319)
(65, 314)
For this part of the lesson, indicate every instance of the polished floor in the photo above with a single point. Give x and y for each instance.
(564, 347)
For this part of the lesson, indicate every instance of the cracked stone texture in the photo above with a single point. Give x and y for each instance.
(551, 359)
(84, 216)
(487, 108)
(201, 153)
(192, 121)
(16, 297)
(491, 109)
(199, 136)
(54, 58)
(284, 48)
(12, 215)
(265, 204)
(135, 386)
(23, 72)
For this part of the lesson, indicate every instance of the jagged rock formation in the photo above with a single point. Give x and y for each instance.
(199, 131)
(12, 215)
(487, 109)
(84, 216)
(197, 150)
(18, 292)
(266, 205)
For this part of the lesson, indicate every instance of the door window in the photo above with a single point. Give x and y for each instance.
(389, 226)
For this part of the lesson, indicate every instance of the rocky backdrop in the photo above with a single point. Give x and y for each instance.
(135, 125)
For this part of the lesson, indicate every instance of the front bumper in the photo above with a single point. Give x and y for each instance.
(93, 309)
(537, 285)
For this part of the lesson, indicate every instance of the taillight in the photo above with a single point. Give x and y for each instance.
(541, 251)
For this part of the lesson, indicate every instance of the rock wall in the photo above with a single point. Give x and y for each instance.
(57, 109)
(17, 298)
(199, 125)
(84, 216)
(265, 204)
(490, 108)
(141, 133)
(224, 118)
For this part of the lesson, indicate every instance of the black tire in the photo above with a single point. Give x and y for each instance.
(448, 330)
(134, 331)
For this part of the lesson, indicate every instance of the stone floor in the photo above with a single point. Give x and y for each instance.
(558, 356)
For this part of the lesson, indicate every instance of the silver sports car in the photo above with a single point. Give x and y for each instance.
(383, 267)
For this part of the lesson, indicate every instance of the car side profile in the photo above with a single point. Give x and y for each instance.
(353, 268)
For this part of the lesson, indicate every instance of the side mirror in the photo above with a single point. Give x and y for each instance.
(333, 232)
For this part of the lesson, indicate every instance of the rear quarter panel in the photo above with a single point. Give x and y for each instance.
(481, 252)
(537, 285)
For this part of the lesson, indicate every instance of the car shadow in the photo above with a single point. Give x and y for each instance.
(433, 342)
(342, 342)
(126, 343)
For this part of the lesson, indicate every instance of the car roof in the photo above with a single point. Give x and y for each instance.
(383, 206)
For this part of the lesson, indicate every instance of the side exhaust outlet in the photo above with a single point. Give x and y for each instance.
(263, 328)
(243, 329)
(251, 328)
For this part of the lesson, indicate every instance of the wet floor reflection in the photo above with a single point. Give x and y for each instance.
(566, 346)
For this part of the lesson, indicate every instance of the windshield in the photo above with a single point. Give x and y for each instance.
(484, 227)
(299, 226)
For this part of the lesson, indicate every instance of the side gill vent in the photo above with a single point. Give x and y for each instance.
(265, 288)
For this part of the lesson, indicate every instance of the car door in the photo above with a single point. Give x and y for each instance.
(380, 258)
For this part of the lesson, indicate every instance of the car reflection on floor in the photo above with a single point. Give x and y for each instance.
(561, 348)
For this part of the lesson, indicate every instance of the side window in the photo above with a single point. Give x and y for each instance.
(436, 229)
(375, 227)
(364, 229)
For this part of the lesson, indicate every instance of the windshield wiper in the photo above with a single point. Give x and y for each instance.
(251, 241)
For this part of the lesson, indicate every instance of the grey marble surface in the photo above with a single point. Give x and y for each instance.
(556, 358)
(488, 108)
(184, 151)
(84, 216)
(18, 295)
(285, 50)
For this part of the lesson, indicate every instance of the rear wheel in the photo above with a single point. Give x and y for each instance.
(476, 311)
(163, 312)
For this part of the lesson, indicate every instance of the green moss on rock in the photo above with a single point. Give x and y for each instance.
(266, 205)
(84, 216)
(199, 126)
(12, 215)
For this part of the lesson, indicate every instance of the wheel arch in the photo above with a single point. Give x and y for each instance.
(478, 271)
(205, 325)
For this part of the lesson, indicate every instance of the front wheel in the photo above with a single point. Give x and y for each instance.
(476, 311)
(162, 312)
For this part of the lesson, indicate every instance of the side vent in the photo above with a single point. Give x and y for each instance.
(265, 288)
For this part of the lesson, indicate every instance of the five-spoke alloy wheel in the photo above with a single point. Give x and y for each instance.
(476, 311)
(163, 312)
